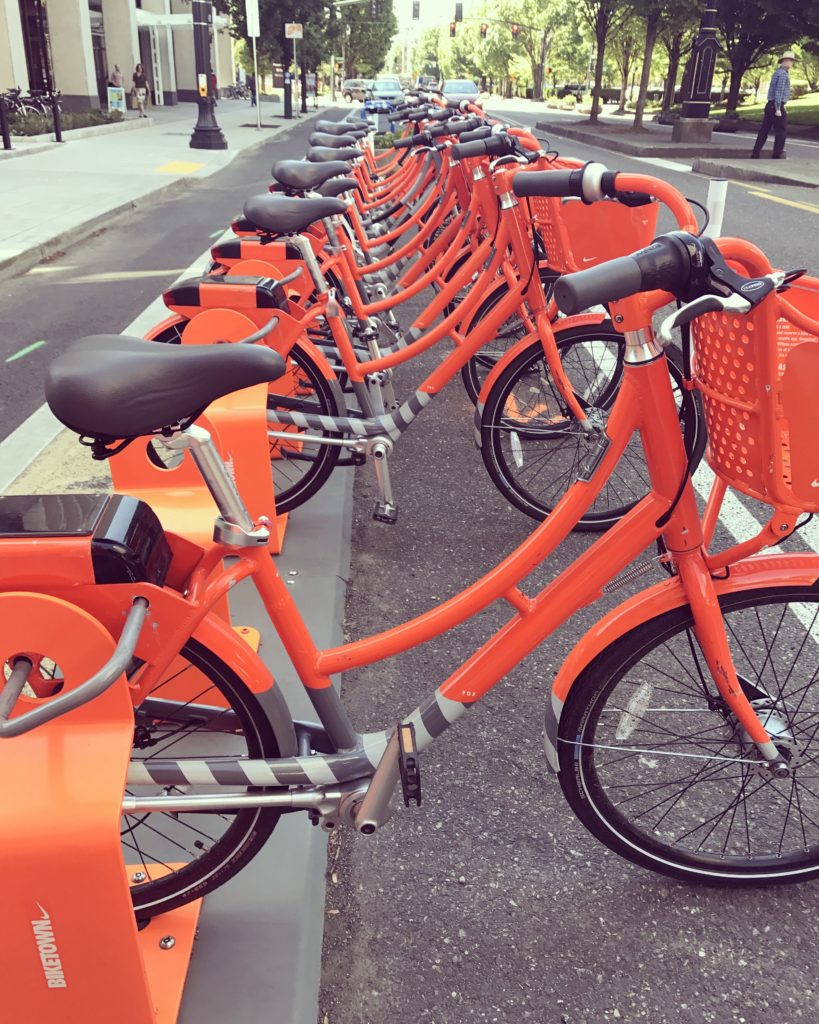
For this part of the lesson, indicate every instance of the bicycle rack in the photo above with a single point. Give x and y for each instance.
(70, 946)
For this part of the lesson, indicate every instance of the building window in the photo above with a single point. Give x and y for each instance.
(98, 47)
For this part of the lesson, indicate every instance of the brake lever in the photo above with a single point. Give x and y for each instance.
(697, 307)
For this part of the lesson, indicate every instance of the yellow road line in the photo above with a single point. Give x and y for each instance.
(179, 167)
(810, 207)
(749, 184)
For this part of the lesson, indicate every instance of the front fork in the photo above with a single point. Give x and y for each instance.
(709, 629)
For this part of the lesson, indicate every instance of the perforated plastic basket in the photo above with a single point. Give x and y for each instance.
(759, 378)
(578, 236)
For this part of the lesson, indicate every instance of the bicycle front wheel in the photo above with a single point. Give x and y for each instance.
(533, 446)
(199, 709)
(656, 766)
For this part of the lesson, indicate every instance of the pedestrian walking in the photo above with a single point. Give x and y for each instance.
(116, 77)
(774, 116)
(250, 82)
(139, 90)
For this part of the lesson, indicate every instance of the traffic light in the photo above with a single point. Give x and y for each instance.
(515, 30)
(452, 30)
(484, 29)
(459, 12)
(375, 8)
(416, 10)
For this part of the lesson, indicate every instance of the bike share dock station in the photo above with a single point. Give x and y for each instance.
(107, 599)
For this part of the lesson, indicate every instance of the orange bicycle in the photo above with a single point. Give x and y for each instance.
(683, 725)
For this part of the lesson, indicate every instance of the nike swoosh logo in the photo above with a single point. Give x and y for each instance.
(589, 259)
(815, 483)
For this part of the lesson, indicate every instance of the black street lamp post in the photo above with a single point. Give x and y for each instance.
(207, 134)
(693, 124)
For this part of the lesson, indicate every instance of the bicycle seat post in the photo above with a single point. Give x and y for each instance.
(234, 525)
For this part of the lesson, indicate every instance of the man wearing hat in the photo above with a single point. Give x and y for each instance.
(774, 116)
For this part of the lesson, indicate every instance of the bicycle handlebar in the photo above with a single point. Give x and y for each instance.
(82, 694)
(594, 181)
(679, 263)
(495, 145)
(663, 264)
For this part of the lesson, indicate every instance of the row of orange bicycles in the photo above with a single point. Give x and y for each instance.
(603, 356)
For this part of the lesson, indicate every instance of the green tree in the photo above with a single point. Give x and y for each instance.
(624, 45)
(678, 30)
(368, 40)
(754, 29)
(603, 18)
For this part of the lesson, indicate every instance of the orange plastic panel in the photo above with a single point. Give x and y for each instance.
(68, 939)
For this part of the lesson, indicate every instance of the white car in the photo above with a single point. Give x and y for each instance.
(457, 89)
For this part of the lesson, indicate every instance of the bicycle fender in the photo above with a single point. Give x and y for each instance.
(584, 320)
(795, 569)
(228, 645)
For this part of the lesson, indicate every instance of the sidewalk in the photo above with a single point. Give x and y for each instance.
(59, 194)
(727, 155)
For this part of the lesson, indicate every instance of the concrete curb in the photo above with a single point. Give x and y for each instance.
(29, 149)
(93, 130)
(618, 145)
(727, 170)
(20, 262)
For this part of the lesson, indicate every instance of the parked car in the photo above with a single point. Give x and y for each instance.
(382, 95)
(355, 88)
(457, 89)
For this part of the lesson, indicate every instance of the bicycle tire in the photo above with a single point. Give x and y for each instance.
(693, 836)
(214, 862)
(291, 489)
(478, 367)
(520, 473)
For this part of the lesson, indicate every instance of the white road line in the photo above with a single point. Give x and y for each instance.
(658, 161)
(35, 434)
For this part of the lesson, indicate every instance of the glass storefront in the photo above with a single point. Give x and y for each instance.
(34, 22)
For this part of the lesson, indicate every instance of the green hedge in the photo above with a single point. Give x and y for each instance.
(43, 124)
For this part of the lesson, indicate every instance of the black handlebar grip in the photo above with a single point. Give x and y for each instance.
(409, 140)
(665, 264)
(495, 145)
(483, 132)
(439, 129)
(549, 183)
(454, 127)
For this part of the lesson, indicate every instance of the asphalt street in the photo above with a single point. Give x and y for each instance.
(491, 902)
(101, 285)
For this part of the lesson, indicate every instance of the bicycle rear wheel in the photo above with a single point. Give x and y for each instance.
(201, 708)
(656, 766)
(302, 466)
(533, 447)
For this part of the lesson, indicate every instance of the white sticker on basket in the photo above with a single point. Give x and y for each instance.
(635, 709)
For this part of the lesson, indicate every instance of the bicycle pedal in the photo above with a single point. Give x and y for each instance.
(409, 765)
(385, 512)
